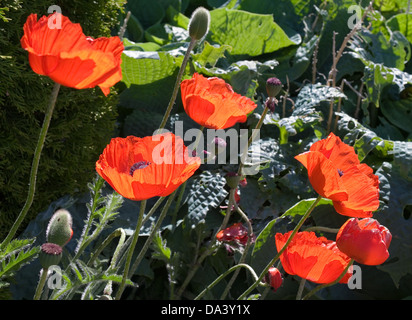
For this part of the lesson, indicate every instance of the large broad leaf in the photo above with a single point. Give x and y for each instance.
(398, 113)
(141, 68)
(402, 23)
(204, 193)
(248, 33)
(396, 193)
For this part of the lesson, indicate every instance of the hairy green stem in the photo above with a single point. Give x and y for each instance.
(35, 165)
(218, 279)
(41, 283)
(295, 230)
(192, 44)
(131, 249)
(153, 232)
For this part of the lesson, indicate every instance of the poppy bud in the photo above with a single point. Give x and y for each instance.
(199, 23)
(274, 278)
(50, 255)
(59, 230)
(273, 87)
(232, 180)
(365, 241)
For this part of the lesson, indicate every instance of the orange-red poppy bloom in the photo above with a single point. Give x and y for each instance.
(142, 168)
(336, 173)
(365, 240)
(70, 58)
(313, 258)
(212, 103)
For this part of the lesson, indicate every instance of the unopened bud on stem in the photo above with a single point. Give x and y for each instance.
(59, 230)
(199, 23)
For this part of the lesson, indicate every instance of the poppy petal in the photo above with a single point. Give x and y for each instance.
(323, 175)
(363, 193)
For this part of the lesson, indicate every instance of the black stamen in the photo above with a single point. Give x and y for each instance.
(138, 165)
(340, 172)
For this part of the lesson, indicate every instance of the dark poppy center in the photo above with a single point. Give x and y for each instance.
(340, 172)
(138, 165)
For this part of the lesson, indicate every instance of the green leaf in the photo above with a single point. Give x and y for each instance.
(398, 113)
(141, 68)
(396, 194)
(402, 23)
(247, 33)
(210, 54)
(160, 250)
(204, 192)
(15, 255)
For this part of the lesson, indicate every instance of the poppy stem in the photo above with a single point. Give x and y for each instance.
(295, 230)
(35, 165)
(331, 283)
(41, 283)
(131, 248)
(218, 279)
(192, 44)
(153, 232)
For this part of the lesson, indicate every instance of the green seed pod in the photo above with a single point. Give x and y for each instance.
(199, 23)
(59, 230)
(50, 255)
(273, 87)
(232, 180)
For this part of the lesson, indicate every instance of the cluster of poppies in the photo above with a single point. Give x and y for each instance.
(137, 168)
(336, 173)
(155, 166)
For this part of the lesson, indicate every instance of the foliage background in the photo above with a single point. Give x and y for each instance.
(248, 42)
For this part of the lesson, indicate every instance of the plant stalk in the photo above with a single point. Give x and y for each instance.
(35, 165)
(131, 248)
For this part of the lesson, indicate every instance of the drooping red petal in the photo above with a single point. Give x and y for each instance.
(339, 153)
(361, 185)
(70, 58)
(323, 175)
(313, 258)
(212, 102)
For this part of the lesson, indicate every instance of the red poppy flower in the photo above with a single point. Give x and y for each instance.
(336, 173)
(365, 241)
(274, 278)
(316, 259)
(70, 58)
(236, 232)
(212, 103)
(142, 168)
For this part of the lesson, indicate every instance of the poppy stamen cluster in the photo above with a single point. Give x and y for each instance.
(138, 165)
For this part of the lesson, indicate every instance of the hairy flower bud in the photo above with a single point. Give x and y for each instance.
(50, 255)
(199, 23)
(59, 230)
